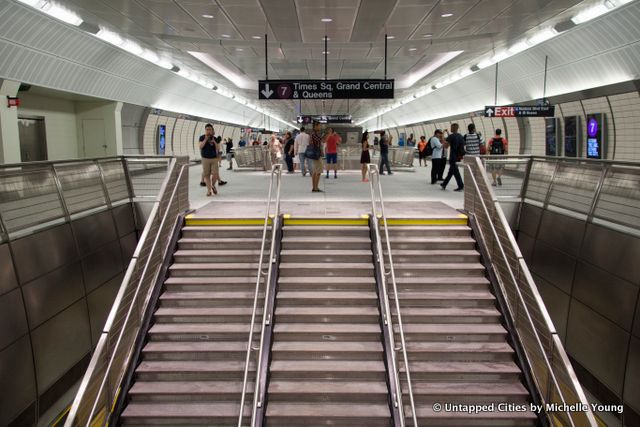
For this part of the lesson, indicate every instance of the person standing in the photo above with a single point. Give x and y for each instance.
(299, 149)
(314, 152)
(498, 146)
(275, 149)
(384, 143)
(229, 146)
(365, 157)
(456, 153)
(333, 140)
(209, 151)
(436, 156)
(422, 151)
(472, 141)
(288, 151)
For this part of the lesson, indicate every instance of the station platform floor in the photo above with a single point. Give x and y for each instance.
(346, 195)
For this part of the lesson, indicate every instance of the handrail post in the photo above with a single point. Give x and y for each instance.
(63, 202)
(107, 199)
(596, 196)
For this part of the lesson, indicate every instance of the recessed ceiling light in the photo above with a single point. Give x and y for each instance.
(391, 37)
(326, 20)
(325, 52)
(411, 49)
(208, 16)
(426, 36)
(328, 38)
(446, 15)
(256, 37)
(226, 36)
(239, 49)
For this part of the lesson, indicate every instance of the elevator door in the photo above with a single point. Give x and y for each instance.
(33, 139)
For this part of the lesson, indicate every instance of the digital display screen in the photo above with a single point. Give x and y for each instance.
(593, 148)
(551, 143)
(571, 136)
(595, 136)
(162, 139)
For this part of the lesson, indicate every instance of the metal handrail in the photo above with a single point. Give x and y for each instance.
(276, 173)
(104, 370)
(374, 174)
(501, 261)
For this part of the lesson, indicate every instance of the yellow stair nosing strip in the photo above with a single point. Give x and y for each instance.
(225, 221)
(325, 221)
(432, 221)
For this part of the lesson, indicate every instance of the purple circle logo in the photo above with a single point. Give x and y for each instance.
(592, 128)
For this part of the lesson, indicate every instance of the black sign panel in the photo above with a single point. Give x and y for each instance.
(325, 89)
(520, 111)
(551, 136)
(332, 118)
(571, 126)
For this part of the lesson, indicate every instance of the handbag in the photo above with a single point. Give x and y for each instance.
(312, 152)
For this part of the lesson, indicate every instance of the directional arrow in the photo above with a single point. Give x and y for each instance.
(489, 112)
(266, 91)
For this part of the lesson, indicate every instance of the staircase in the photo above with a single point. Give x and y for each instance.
(327, 365)
(457, 347)
(192, 366)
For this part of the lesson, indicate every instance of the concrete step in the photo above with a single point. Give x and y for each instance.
(208, 299)
(458, 351)
(199, 231)
(481, 332)
(327, 283)
(326, 243)
(200, 331)
(403, 256)
(326, 256)
(180, 414)
(221, 283)
(427, 230)
(427, 416)
(192, 370)
(442, 283)
(444, 299)
(188, 391)
(434, 243)
(328, 414)
(447, 314)
(326, 298)
(341, 370)
(189, 256)
(327, 314)
(215, 270)
(320, 269)
(467, 392)
(438, 269)
(215, 243)
(325, 230)
(205, 314)
(327, 332)
(197, 350)
(371, 392)
(463, 371)
(327, 350)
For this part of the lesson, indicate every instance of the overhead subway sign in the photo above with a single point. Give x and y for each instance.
(325, 89)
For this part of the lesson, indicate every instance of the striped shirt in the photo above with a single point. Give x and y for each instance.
(472, 144)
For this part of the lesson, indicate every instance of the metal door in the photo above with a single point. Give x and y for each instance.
(94, 138)
(33, 139)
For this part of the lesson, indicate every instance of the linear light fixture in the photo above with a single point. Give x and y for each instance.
(211, 62)
(427, 69)
(593, 12)
(55, 11)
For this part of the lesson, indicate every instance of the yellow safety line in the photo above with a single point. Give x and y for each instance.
(432, 221)
(61, 416)
(325, 221)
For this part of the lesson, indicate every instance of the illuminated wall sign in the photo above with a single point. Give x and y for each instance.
(162, 139)
(520, 111)
(595, 136)
(332, 118)
(571, 137)
(551, 137)
(325, 89)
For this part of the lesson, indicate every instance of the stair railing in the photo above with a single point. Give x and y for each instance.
(276, 177)
(564, 400)
(377, 198)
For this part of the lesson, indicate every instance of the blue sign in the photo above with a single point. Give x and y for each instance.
(162, 142)
(592, 128)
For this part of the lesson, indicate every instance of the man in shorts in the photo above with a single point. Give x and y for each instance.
(210, 152)
(332, 141)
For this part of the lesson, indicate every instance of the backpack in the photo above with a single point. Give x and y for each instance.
(428, 151)
(497, 146)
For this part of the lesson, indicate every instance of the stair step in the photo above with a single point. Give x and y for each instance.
(428, 416)
(326, 242)
(328, 283)
(459, 351)
(336, 414)
(465, 392)
(220, 283)
(167, 413)
(429, 256)
(218, 256)
(448, 314)
(326, 298)
(204, 314)
(326, 256)
(453, 332)
(325, 350)
(342, 269)
(427, 230)
(341, 370)
(196, 350)
(327, 331)
(213, 269)
(439, 269)
(430, 243)
(230, 231)
(188, 391)
(193, 243)
(445, 299)
(208, 299)
(442, 283)
(327, 314)
(200, 331)
(328, 391)
(325, 230)
(191, 370)
(463, 371)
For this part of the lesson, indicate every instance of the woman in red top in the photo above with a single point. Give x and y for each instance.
(422, 151)
(332, 142)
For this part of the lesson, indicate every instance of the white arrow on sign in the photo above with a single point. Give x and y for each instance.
(266, 91)
(489, 112)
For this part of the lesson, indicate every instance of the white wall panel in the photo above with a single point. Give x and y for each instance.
(626, 111)
(149, 137)
(514, 135)
(178, 144)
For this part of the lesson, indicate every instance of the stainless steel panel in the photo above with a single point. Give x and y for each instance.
(128, 244)
(60, 343)
(526, 244)
(81, 186)
(102, 265)
(17, 380)
(48, 295)
(124, 219)
(562, 232)
(636, 322)
(42, 252)
(557, 303)
(613, 251)
(632, 381)
(609, 295)
(143, 210)
(530, 219)
(100, 302)
(598, 345)
(13, 322)
(510, 210)
(554, 266)
(8, 279)
(94, 231)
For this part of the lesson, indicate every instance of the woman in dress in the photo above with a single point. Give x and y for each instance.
(365, 157)
(275, 148)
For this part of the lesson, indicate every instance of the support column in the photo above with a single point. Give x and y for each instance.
(9, 135)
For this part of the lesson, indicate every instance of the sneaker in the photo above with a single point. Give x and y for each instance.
(499, 181)
(390, 173)
(459, 189)
(443, 187)
(202, 184)
(222, 182)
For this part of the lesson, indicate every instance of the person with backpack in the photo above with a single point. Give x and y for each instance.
(455, 141)
(472, 141)
(498, 146)
(435, 150)
(422, 151)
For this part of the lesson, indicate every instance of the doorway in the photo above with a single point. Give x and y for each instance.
(33, 139)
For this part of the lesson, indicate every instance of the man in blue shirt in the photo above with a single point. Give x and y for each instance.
(455, 141)
(436, 156)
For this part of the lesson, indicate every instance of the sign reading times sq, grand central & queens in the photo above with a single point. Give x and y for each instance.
(325, 89)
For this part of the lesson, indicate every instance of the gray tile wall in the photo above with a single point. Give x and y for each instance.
(56, 290)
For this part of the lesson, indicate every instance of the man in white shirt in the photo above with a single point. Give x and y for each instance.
(437, 159)
(299, 148)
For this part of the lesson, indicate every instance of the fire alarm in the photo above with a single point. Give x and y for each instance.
(13, 102)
